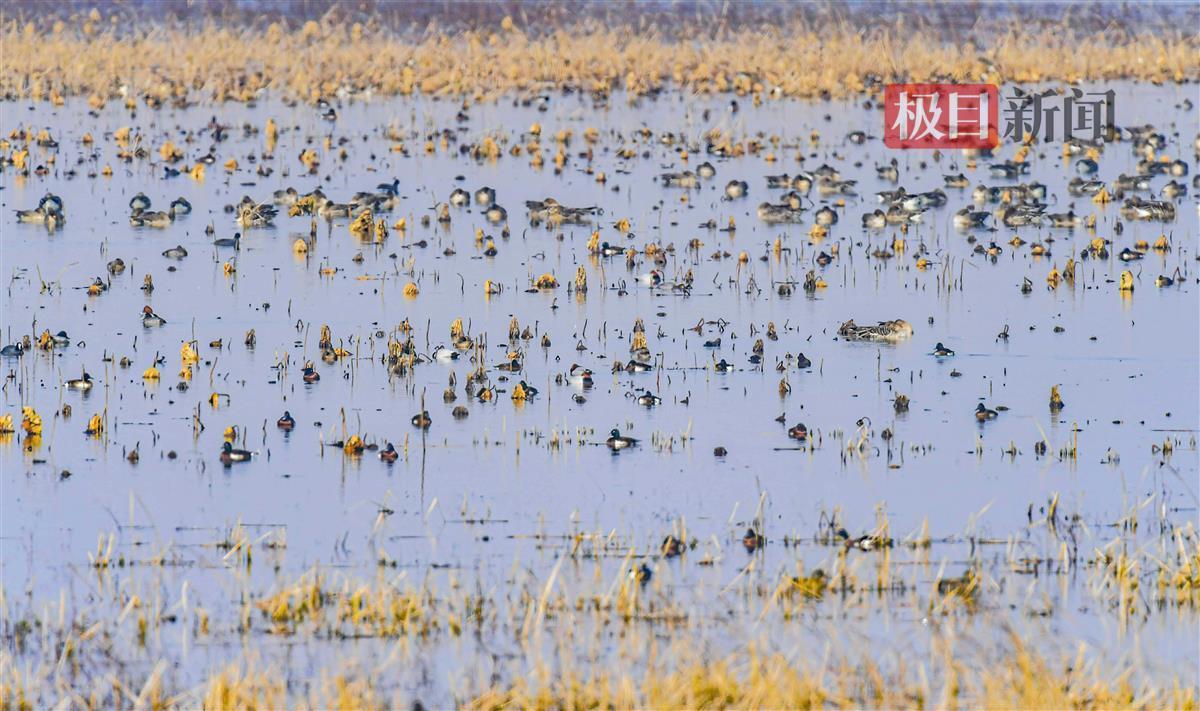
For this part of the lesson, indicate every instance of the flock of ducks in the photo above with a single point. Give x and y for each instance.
(819, 197)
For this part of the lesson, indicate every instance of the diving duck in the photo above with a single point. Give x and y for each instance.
(616, 441)
(151, 319)
(287, 422)
(389, 453)
(983, 414)
(229, 455)
(422, 420)
(81, 383)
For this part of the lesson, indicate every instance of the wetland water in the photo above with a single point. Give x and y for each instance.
(494, 502)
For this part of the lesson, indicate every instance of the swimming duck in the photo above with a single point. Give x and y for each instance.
(51, 204)
(1068, 219)
(496, 214)
(180, 206)
(779, 214)
(459, 197)
(143, 218)
(310, 374)
(422, 420)
(176, 252)
(615, 441)
(967, 218)
(444, 355)
(648, 399)
(579, 376)
(251, 214)
(61, 339)
(982, 413)
(1129, 255)
(941, 351)
(229, 455)
(287, 422)
(735, 189)
(889, 331)
(686, 179)
(151, 319)
(485, 196)
(826, 216)
(512, 366)
(802, 362)
(234, 242)
(876, 220)
(389, 453)
(798, 432)
(956, 181)
(889, 172)
(392, 188)
(139, 202)
(528, 389)
(642, 574)
(752, 540)
(287, 197)
(610, 250)
(722, 367)
(81, 383)
(13, 350)
(706, 170)
(653, 278)
(637, 366)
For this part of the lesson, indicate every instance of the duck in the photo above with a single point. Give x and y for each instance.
(234, 241)
(459, 197)
(1129, 255)
(512, 366)
(686, 179)
(139, 202)
(287, 422)
(642, 574)
(956, 181)
(752, 540)
(648, 399)
(81, 383)
(826, 216)
(422, 420)
(579, 376)
(176, 252)
(485, 196)
(180, 206)
(12, 350)
(1064, 219)
(637, 366)
(51, 204)
(735, 189)
(610, 250)
(310, 374)
(442, 354)
(983, 414)
(496, 214)
(616, 441)
(802, 362)
(942, 351)
(392, 188)
(529, 390)
(652, 278)
(967, 218)
(798, 432)
(722, 367)
(875, 220)
(61, 339)
(144, 218)
(389, 453)
(229, 455)
(779, 214)
(287, 196)
(151, 319)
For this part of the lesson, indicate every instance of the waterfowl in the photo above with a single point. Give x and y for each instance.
(648, 399)
(389, 453)
(12, 350)
(1068, 219)
(485, 196)
(180, 206)
(229, 455)
(287, 197)
(802, 362)
(81, 383)
(637, 366)
(287, 422)
(528, 389)
(653, 278)
(444, 355)
(330, 210)
(616, 441)
(392, 188)
(579, 376)
(143, 218)
(876, 220)
(830, 186)
(251, 214)
(1080, 186)
(496, 214)
(752, 540)
(956, 181)
(826, 216)
(176, 252)
(982, 413)
(1086, 166)
(512, 366)
(735, 189)
(967, 218)
(722, 367)
(234, 241)
(553, 212)
(888, 331)
(459, 197)
(686, 179)
(139, 202)
(642, 573)
(889, 172)
(51, 204)
(151, 319)
(1129, 255)
(310, 374)
(779, 182)
(779, 214)
(942, 351)
(422, 420)
(610, 250)
(706, 170)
